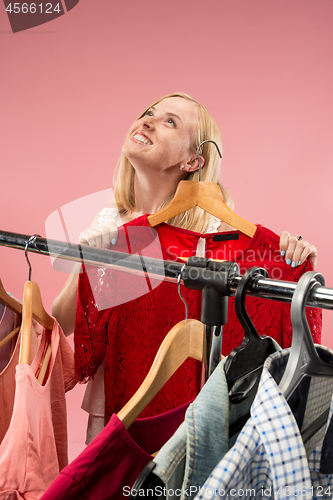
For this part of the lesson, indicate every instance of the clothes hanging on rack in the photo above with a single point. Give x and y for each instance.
(109, 465)
(119, 332)
(187, 459)
(94, 400)
(38, 426)
(63, 379)
(7, 381)
(269, 457)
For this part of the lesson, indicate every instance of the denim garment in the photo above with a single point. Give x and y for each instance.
(188, 458)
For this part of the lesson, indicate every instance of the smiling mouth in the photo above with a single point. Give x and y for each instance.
(141, 138)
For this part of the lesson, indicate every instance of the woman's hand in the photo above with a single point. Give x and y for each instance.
(99, 236)
(296, 250)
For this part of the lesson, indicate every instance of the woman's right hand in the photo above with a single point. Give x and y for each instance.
(99, 236)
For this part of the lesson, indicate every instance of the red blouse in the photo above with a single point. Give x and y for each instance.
(124, 318)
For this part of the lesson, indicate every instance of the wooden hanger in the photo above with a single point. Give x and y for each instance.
(39, 314)
(9, 336)
(32, 307)
(13, 304)
(206, 195)
(186, 339)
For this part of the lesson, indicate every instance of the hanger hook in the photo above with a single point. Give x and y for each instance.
(249, 277)
(203, 142)
(179, 292)
(301, 294)
(31, 240)
(303, 358)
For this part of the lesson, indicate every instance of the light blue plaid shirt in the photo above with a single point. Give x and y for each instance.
(269, 458)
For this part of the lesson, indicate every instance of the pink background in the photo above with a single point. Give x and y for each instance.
(71, 88)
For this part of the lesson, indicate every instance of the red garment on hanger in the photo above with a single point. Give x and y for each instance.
(110, 464)
(129, 333)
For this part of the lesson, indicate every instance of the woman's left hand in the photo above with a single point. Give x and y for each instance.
(296, 250)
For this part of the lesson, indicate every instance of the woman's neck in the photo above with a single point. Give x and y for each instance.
(151, 191)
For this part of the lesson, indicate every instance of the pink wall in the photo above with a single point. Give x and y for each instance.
(71, 87)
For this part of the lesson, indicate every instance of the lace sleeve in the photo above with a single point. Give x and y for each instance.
(213, 224)
(107, 215)
(91, 321)
(90, 324)
(212, 227)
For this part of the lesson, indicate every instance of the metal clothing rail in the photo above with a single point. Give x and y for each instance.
(215, 279)
(320, 297)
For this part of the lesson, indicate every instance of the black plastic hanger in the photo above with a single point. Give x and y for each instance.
(245, 361)
(303, 358)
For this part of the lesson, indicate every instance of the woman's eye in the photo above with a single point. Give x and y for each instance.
(170, 120)
(149, 113)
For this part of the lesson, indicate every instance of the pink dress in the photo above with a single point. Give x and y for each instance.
(7, 320)
(34, 449)
(7, 381)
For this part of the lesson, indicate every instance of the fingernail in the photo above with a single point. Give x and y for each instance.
(113, 241)
(300, 262)
(293, 264)
(288, 262)
(283, 253)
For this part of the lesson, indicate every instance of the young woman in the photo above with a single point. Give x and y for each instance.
(159, 151)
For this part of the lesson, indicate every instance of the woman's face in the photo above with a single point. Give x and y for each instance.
(162, 138)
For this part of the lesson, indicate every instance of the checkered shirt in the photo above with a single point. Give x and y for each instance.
(269, 458)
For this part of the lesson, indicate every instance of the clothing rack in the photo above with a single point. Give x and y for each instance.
(216, 279)
(267, 288)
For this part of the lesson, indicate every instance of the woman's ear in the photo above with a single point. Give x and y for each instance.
(193, 163)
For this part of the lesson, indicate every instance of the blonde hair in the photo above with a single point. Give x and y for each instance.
(194, 219)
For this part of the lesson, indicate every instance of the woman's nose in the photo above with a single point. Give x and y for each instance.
(148, 121)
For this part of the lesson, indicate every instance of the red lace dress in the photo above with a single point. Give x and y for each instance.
(123, 318)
